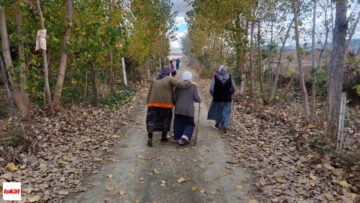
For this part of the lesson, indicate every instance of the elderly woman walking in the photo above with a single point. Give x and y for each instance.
(160, 104)
(184, 110)
(222, 88)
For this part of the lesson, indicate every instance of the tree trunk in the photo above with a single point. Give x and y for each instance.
(8, 91)
(93, 81)
(335, 71)
(242, 61)
(324, 49)
(147, 66)
(21, 98)
(313, 90)
(283, 97)
(295, 6)
(24, 95)
(85, 85)
(110, 74)
(111, 71)
(278, 69)
(46, 73)
(252, 74)
(63, 59)
(352, 32)
(259, 64)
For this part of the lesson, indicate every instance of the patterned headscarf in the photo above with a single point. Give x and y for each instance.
(164, 72)
(223, 75)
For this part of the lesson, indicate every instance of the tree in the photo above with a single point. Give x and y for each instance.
(8, 91)
(335, 71)
(313, 90)
(295, 7)
(278, 68)
(252, 71)
(63, 59)
(259, 60)
(45, 63)
(17, 82)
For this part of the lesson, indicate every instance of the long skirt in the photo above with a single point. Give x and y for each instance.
(158, 119)
(183, 125)
(220, 112)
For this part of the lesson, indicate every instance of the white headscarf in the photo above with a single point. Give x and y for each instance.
(187, 75)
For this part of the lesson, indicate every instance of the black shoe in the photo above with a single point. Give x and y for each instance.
(149, 143)
(164, 139)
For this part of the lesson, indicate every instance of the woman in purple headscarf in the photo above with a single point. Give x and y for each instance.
(160, 103)
(222, 88)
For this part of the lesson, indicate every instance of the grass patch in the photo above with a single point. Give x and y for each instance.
(340, 159)
(122, 93)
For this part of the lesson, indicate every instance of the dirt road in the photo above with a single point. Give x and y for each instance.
(167, 172)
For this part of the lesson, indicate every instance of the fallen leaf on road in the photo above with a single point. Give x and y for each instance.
(110, 187)
(344, 183)
(240, 187)
(202, 191)
(193, 188)
(115, 136)
(11, 166)
(279, 180)
(63, 192)
(163, 183)
(98, 159)
(132, 170)
(122, 192)
(227, 166)
(156, 171)
(141, 179)
(311, 126)
(7, 176)
(275, 200)
(313, 177)
(221, 174)
(109, 175)
(34, 198)
(181, 180)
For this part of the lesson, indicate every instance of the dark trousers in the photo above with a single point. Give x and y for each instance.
(183, 125)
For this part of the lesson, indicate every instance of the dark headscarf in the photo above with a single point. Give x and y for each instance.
(164, 72)
(223, 75)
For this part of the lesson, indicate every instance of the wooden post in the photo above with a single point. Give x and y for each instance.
(124, 71)
(340, 133)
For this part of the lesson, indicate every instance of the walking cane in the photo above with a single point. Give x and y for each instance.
(197, 126)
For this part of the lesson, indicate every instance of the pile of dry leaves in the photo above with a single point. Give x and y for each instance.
(282, 154)
(67, 147)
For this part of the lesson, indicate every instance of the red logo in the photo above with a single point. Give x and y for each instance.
(12, 191)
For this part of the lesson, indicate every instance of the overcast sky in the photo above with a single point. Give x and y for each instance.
(182, 8)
